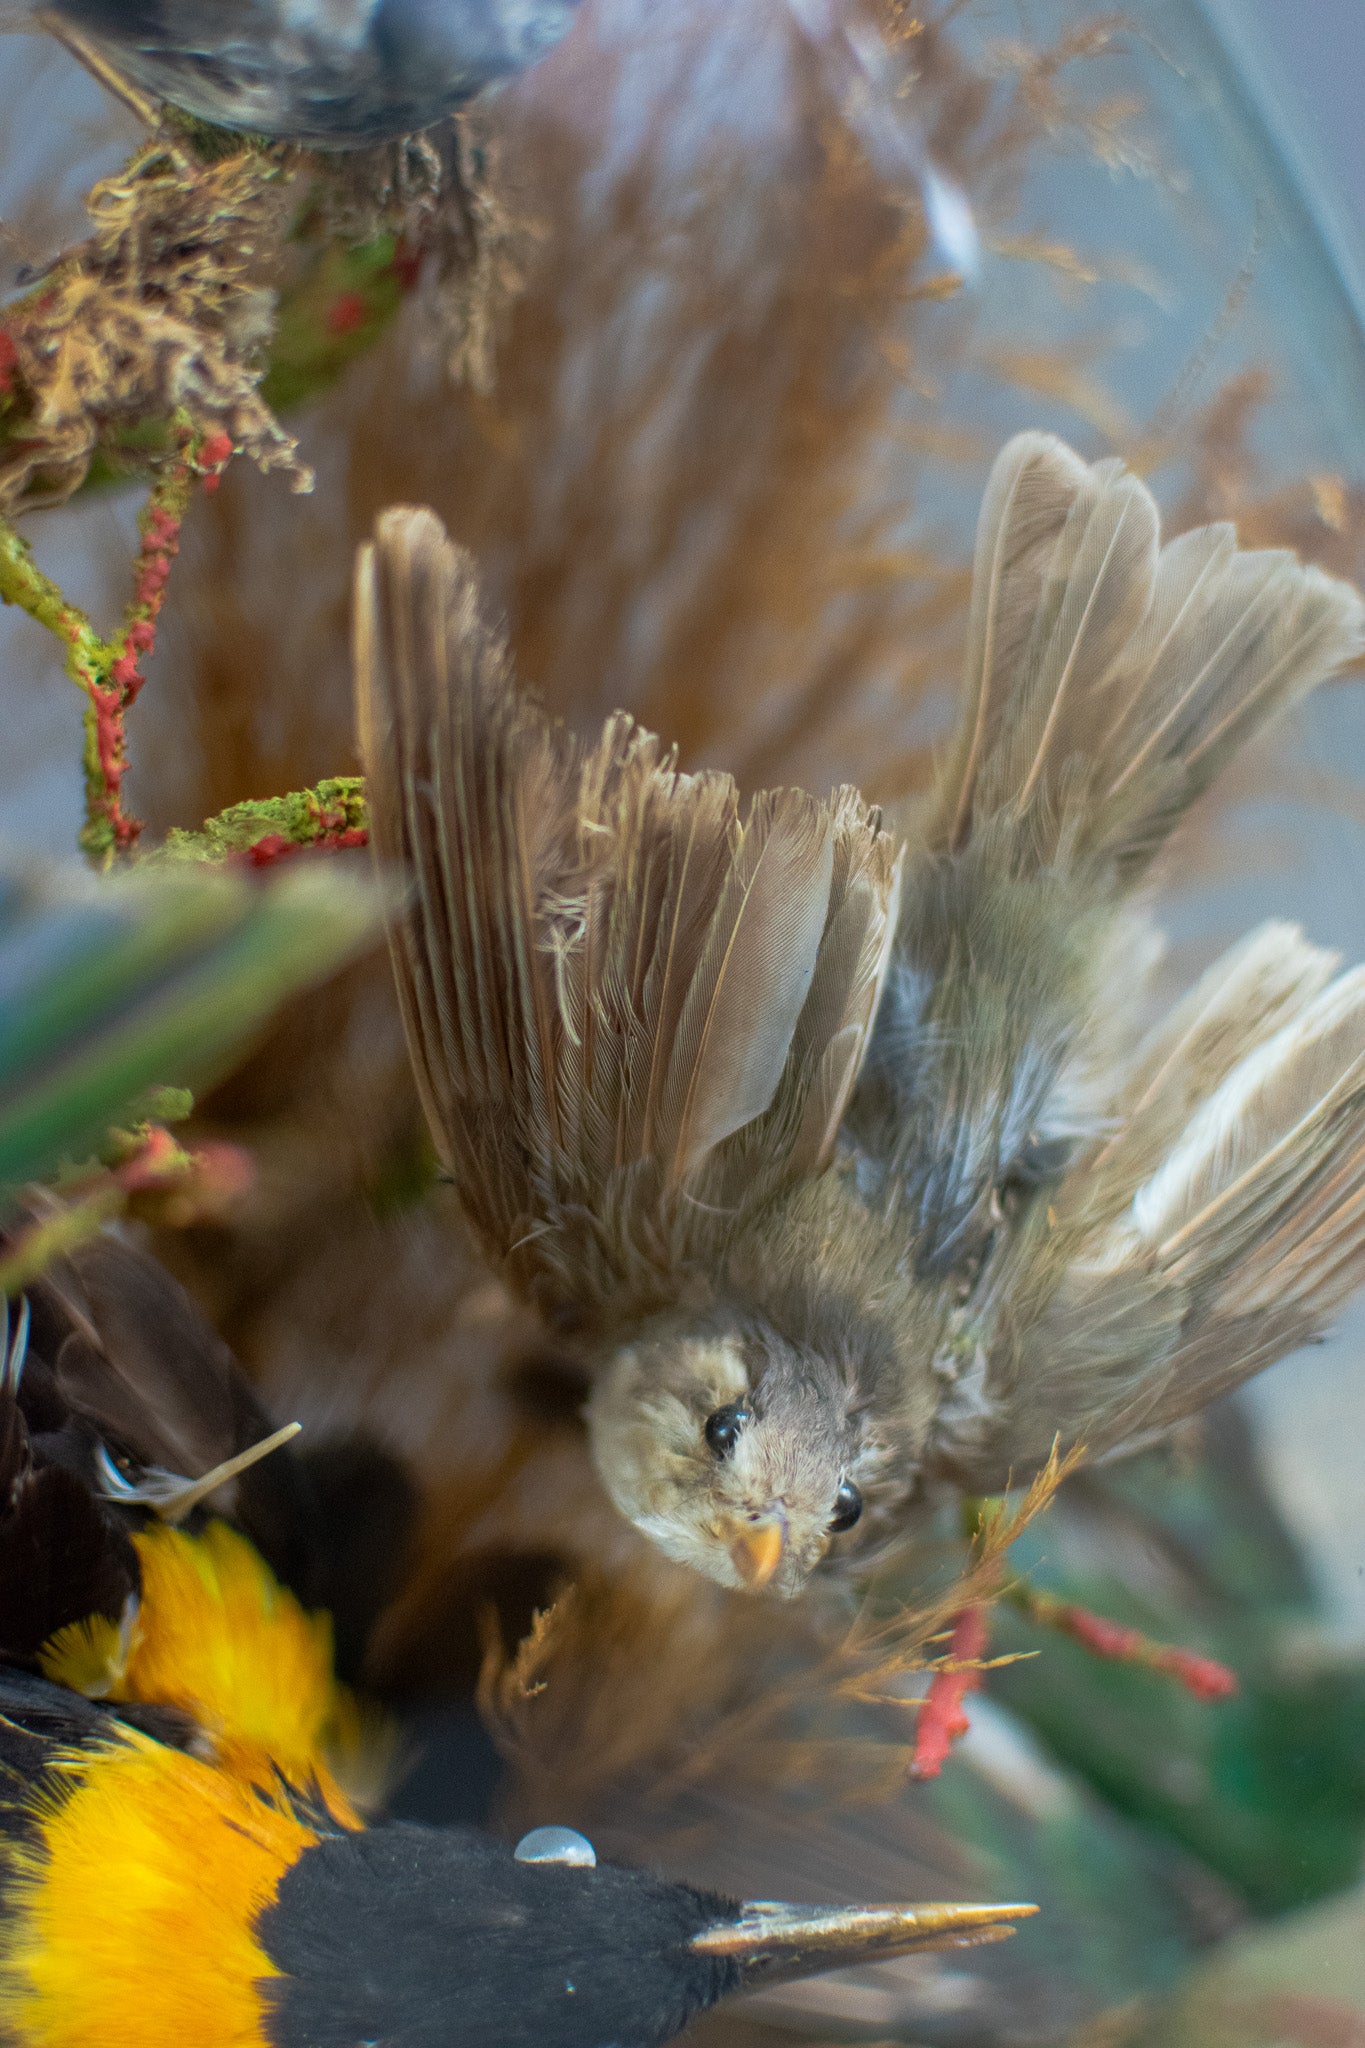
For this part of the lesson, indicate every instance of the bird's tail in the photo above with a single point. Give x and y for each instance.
(1109, 679)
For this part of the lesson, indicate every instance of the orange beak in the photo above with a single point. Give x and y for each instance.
(756, 1552)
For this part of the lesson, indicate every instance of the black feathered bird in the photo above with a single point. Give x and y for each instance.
(150, 1887)
(178, 1857)
(120, 1404)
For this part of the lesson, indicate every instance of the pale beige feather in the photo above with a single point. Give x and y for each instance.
(1241, 1000)
(1252, 1149)
(1235, 1251)
(1095, 595)
(1032, 487)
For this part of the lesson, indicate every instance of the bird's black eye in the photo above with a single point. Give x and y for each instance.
(848, 1505)
(723, 1428)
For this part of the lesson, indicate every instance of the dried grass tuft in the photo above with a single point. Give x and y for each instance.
(165, 309)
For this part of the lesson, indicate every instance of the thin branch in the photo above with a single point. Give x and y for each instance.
(108, 671)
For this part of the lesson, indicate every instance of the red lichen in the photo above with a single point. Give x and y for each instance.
(109, 671)
(266, 851)
(274, 846)
(346, 313)
(155, 1155)
(406, 264)
(941, 1719)
(215, 453)
(1117, 1643)
(157, 1179)
(104, 794)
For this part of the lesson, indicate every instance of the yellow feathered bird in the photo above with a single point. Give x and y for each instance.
(180, 1860)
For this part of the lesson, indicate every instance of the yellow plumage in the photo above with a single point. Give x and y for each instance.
(130, 1923)
(89, 1656)
(218, 1637)
(131, 1909)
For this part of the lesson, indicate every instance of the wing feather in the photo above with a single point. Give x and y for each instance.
(836, 1023)
(751, 977)
(1235, 1250)
(606, 969)
(1108, 682)
(1029, 497)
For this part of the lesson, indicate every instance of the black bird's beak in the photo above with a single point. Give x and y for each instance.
(773, 1943)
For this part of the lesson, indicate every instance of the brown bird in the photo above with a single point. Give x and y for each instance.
(638, 1013)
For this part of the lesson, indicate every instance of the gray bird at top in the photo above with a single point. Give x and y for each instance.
(336, 74)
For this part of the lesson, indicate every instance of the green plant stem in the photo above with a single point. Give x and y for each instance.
(108, 671)
(264, 830)
(32, 1251)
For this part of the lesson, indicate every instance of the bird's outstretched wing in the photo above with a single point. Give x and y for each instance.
(634, 1004)
(1108, 681)
(1213, 1231)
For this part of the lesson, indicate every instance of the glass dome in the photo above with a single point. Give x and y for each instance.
(707, 370)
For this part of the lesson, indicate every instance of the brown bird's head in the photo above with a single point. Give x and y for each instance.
(735, 1450)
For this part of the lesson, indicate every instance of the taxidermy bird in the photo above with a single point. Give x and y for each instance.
(337, 76)
(176, 1846)
(812, 1281)
(144, 1877)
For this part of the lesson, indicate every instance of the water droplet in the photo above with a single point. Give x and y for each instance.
(556, 1845)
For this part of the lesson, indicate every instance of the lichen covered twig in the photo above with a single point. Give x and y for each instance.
(108, 671)
(145, 1172)
(1117, 1643)
(268, 829)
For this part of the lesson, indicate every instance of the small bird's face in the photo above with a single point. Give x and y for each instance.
(731, 1449)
